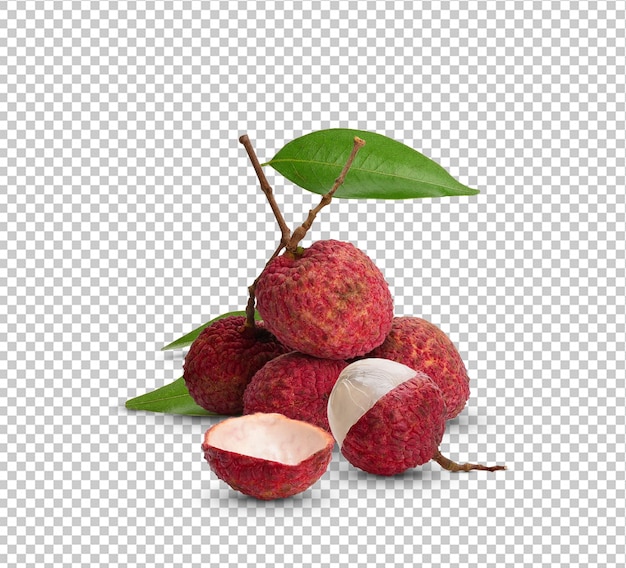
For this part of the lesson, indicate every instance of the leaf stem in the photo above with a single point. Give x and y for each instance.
(300, 232)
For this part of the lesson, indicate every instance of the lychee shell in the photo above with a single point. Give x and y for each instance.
(421, 345)
(331, 301)
(401, 431)
(222, 360)
(296, 385)
(266, 478)
(250, 475)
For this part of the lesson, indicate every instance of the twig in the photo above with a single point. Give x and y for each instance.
(252, 288)
(288, 240)
(450, 465)
(300, 232)
(284, 229)
(267, 188)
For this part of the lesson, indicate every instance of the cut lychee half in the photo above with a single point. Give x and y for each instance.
(387, 418)
(267, 455)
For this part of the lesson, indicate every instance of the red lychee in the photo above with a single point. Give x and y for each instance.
(267, 456)
(424, 347)
(223, 359)
(295, 385)
(329, 300)
(387, 418)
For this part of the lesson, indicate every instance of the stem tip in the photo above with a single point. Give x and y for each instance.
(448, 464)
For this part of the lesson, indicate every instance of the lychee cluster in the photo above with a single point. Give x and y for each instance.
(328, 353)
(328, 362)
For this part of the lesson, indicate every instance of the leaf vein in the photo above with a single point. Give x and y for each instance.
(364, 170)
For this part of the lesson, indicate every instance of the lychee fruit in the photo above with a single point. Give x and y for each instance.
(329, 300)
(424, 347)
(296, 385)
(267, 455)
(387, 418)
(223, 359)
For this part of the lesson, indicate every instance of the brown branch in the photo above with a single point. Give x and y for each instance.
(284, 229)
(300, 232)
(266, 187)
(448, 464)
(252, 288)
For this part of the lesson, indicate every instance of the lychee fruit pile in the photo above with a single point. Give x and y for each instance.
(328, 357)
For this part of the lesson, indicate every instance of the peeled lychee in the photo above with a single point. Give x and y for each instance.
(267, 456)
(296, 385)
(222, 360)
(422, 346)
(387, 418)
(329, 300)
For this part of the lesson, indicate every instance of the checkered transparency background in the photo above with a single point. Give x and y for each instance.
(129, 215)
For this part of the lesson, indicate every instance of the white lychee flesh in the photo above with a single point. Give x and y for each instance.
(268, 436)
(358, 388)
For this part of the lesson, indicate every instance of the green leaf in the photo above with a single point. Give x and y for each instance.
(188, 339)
(171, 399)
(383, 169)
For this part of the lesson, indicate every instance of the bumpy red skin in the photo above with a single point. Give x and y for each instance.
(222, 360)
(295, 385)
(401, 431)
(331, 301)
(265, 479)
(422, 346)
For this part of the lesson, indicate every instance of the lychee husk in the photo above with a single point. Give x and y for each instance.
(329, 300)
(401, 431)
(387, 418)
(267, 455)
(222, 361)
(421, 345)
(296, 385)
